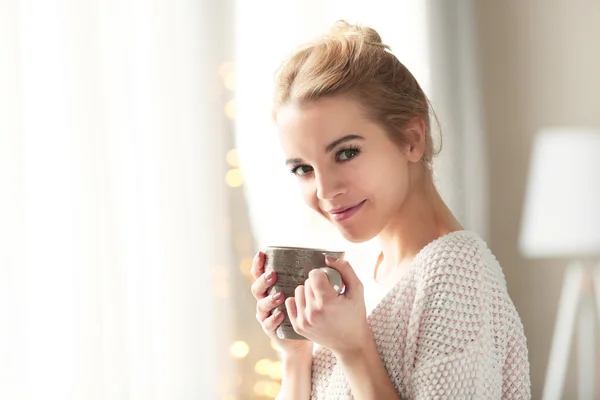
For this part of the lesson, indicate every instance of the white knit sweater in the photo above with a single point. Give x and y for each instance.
(446, 330)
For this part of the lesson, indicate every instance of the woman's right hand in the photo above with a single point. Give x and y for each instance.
(265, 305)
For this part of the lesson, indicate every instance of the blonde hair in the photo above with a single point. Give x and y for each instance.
(352, 60)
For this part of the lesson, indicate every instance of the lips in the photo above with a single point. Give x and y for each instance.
(344, 213)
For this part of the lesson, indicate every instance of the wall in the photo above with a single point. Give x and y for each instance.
(540, 67)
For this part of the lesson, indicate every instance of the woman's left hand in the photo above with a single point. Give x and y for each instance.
(319, 313)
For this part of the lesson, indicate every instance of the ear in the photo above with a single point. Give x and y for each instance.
(414, 134)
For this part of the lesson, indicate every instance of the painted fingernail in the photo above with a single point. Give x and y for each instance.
(278, 296)
(330, 259)
(269, 276)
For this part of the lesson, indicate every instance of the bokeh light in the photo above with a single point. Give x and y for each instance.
(230, 109)
(275, 372)
(240, 349)
(229, 81)
(263, 366)
(246, 266)
(234, 177)
(232, 158)
(267, 388)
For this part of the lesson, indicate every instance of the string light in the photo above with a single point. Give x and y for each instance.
(273, 389)
(240, 349)
(246, 266)
(229, 81)
(269, 368)
(230, 109)
(275, 371)
(232, 158)
(260, 387)
(263, 366)
(234, 177)
(267, 388)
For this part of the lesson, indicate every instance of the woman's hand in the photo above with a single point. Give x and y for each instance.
(265, 305)
(319, 313)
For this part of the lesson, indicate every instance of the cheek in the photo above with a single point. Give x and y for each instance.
(392, 183)
(399, 188)
(309, 194)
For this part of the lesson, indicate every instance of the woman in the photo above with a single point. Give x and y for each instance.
(355, 127)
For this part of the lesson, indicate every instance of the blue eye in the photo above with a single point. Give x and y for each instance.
(301, 170)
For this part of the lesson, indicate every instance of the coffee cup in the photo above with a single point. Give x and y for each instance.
(291, 266)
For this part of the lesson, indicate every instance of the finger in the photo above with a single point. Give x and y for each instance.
(258, 265)
(271, 323)
(266, 305)
(349, 277)
(309, 295)
(320, 285)
(300, 299)
(264, 282)
(290, 307)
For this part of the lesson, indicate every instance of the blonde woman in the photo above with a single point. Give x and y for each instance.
(355, 127)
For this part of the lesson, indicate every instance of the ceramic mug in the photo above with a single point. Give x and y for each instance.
(292, 265)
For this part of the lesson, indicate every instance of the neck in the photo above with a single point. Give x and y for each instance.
(422, 218)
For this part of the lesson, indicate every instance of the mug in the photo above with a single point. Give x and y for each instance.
(292, 265)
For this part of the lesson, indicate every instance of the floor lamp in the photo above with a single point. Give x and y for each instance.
(562, 220)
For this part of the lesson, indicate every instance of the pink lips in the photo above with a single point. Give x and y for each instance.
(343, 214)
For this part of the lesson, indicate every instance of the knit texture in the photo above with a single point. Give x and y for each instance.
(446, 330)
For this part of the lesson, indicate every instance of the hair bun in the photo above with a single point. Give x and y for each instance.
(343, 30)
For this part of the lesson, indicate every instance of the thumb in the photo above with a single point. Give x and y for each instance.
(349, 277)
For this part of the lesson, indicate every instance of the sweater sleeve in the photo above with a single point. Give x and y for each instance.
(458, 342)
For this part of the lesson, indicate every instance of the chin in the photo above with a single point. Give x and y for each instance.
(356, 235)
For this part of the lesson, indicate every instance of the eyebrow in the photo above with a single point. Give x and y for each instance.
(329, 148)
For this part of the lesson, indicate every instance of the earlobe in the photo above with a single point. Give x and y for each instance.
(416, 152)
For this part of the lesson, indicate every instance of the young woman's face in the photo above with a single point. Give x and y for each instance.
(348, 168)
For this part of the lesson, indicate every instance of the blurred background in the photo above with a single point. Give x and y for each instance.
(140, 173)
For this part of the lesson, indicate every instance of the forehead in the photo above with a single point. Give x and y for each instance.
(318, 123)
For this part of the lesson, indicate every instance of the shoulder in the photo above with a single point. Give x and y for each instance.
(458, 257)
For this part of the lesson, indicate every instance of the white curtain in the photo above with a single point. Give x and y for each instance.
(112, 201)
(461, 169)
(268, 31)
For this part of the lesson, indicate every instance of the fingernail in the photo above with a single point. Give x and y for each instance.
(330, 259)
(277, 296)
(277, 314)
(269, 276)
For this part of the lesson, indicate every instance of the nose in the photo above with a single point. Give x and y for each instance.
(329, 186)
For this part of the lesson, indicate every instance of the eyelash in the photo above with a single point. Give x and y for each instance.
(354, 147)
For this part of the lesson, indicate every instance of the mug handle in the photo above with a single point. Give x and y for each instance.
(335, 279)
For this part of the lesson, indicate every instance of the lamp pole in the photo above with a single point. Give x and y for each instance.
(576, 305)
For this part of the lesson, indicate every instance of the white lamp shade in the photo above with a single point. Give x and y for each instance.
(562, 202)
